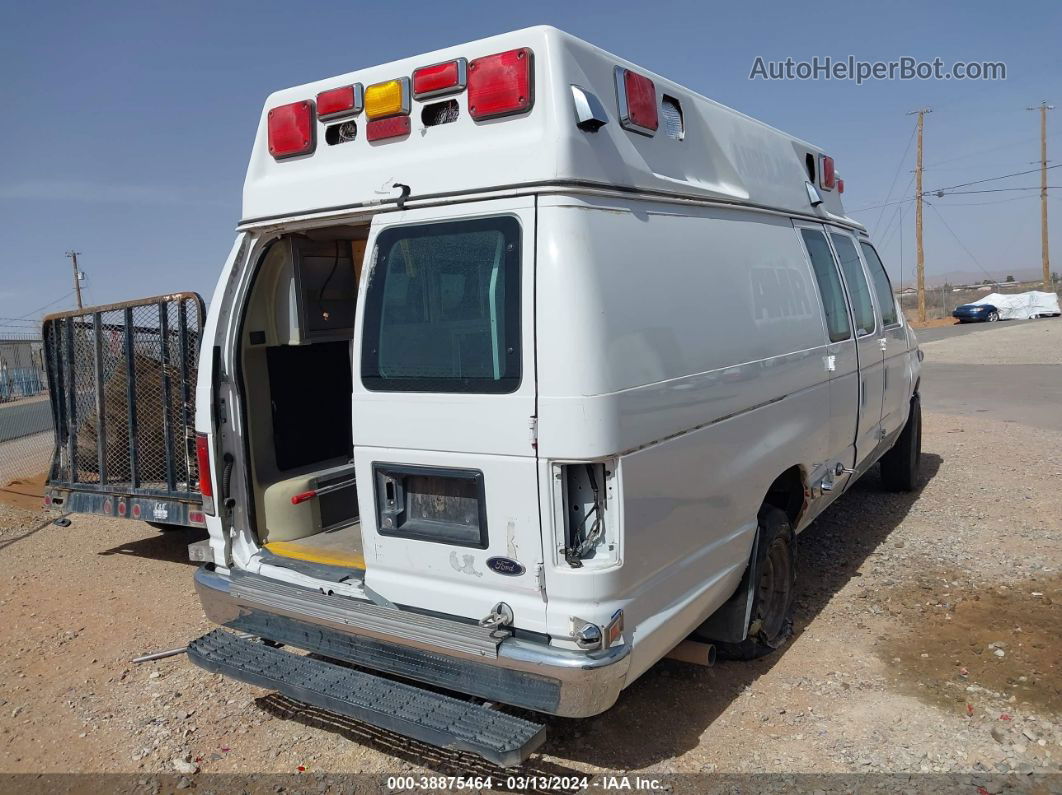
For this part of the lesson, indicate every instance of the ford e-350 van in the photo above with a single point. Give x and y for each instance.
(526, 365)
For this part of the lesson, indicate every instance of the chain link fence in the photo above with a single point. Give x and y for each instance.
(25, 412)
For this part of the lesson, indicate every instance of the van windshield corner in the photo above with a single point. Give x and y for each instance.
(442, 308)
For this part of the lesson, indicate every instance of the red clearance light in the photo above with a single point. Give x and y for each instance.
(291, 130)
(342, 101)
(827, 174)
(202, 457)
(636, 95)
(381, 129)
(501, 84)
(442, 78)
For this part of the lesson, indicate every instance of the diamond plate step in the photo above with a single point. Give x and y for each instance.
(408, 710)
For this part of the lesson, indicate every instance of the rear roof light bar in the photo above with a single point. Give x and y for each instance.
(342, 101)
(291, 129)
(827, 173)
(502, 84)
(636, 96)
(390, 98)
(440, 79)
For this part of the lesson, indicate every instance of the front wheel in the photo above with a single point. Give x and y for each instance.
(771, 621)
(899, 466)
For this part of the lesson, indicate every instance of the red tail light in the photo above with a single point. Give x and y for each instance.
(202, 457)
(636, 95)
(840, 185)
(442, 78)
(342, 101)
(827, 175)
(291, 130)
(381, 129)
(501, 84)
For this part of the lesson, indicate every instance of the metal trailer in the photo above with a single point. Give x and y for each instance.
(123, 406)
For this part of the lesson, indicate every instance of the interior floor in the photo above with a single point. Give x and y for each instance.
(339, 547)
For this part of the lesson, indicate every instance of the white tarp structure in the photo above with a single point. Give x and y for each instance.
(1022, 306)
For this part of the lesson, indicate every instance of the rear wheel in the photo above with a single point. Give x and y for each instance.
(899, 466)
(771, 621)
(993, 317)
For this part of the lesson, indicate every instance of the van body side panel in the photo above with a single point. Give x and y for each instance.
(451, 431)
(689, 344)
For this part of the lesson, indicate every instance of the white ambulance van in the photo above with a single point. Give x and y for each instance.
(526, 365)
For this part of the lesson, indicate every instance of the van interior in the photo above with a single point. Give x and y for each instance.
(296, 370)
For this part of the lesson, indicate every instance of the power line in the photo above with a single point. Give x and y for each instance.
(957, 240)
(993, 179)
(41, 308)
(895, 176)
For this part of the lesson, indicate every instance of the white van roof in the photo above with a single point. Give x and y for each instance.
(720, 154)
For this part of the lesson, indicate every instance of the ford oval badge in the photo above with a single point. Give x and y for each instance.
(506, 566)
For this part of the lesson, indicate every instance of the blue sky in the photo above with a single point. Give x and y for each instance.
(127, 126)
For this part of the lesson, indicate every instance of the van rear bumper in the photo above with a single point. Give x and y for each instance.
(519, 672)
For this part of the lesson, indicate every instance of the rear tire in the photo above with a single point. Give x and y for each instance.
(771, 621)
(993, 317)
(899, 466)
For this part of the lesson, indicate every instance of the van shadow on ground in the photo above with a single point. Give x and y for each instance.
(170, 546)
(666, 711)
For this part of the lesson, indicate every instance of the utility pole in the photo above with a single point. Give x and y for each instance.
(919, 252)
(77, 276)
(1045, 256)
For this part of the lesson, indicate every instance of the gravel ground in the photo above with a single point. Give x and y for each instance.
(927, 640)
(1012, 342)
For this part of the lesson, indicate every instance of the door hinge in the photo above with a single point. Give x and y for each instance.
(884, 343)
(540, 577)
(532, 428)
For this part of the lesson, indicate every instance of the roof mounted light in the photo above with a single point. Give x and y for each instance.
(291, 129)
(440, 79)
(827, 174)
(390, 98)
(501, 84)
(391, 127)
(636, 97)
(342, 101)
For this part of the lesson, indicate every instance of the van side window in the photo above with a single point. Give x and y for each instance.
(829, 284)
(882, 288)
(858, 289)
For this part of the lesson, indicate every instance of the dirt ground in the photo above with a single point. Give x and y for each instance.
(927, 640)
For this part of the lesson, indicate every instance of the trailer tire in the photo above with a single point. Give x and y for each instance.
(899, 466)
(771, 618)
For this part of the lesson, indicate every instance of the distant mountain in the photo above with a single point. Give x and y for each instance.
(973, 276)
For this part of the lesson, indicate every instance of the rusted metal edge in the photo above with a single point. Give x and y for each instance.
(88, 310)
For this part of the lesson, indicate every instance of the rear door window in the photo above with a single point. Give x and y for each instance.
(442, 311)
(858, 289)
(829, 284)
(882, 288)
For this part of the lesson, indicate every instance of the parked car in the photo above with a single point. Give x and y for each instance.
(976, 313)
(565, 390)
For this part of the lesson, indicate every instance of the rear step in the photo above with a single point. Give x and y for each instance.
(405, 709)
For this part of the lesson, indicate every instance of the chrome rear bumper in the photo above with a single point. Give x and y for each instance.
(442, 652)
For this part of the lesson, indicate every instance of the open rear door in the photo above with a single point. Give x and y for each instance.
(122, 393)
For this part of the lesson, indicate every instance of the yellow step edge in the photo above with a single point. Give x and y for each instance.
(304, 552)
